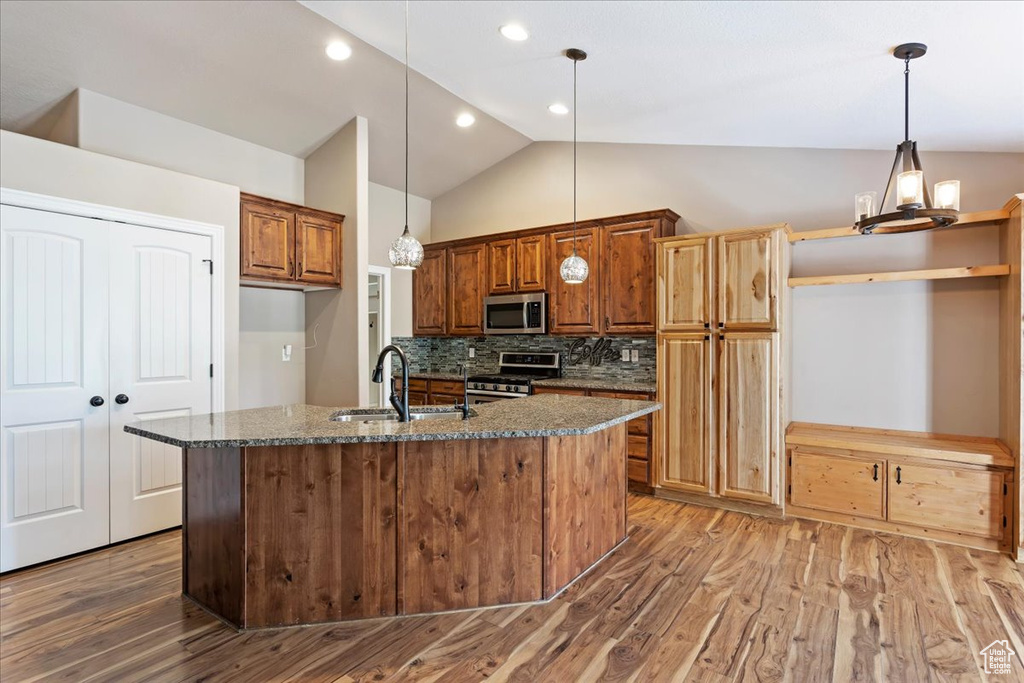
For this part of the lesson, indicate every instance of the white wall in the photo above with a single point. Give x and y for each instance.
(269, 320)
(918, 356)
(337, 179)
(113, 127)
(49, 168)
(387, 219)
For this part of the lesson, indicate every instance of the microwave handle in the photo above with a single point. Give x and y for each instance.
(526, 315)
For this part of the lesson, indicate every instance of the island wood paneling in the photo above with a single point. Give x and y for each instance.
(470, 523)
(320, 532)
(213, 510)
(584, 502)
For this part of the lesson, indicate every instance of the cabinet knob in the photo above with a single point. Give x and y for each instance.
(96, 401)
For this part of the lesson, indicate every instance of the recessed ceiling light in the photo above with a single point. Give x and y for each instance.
(338, 51)
(514, 32)
(558, 108)
(465, 120)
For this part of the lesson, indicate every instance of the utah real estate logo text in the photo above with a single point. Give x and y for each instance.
(997, 657)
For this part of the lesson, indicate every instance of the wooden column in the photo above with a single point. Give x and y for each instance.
(1011, 329)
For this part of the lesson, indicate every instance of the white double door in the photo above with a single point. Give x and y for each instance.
(103, 323)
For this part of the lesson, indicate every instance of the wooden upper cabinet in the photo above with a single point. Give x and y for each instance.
(748, 274)
(574, 309)
(467, 273)
(748, 416)
(267, 241)
(318, 249)
(429, 293)
(289, 244)
(531, 263)
(627, 277)
(684, 285)
(501, 267)
(684, 389)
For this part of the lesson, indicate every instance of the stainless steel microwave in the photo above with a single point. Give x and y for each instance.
(516, 314)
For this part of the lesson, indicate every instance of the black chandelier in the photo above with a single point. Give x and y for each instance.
(913, 200)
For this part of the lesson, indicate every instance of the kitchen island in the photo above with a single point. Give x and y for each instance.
(292, 517)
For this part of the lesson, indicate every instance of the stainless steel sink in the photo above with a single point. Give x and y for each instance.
(393, 416)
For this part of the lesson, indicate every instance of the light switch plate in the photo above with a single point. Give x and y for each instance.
(472, 352)
(635, 355)
(286, 353)
(625, 355)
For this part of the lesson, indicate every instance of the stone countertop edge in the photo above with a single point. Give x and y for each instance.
(148, 428)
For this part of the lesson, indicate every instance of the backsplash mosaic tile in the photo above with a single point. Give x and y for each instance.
(447, 354)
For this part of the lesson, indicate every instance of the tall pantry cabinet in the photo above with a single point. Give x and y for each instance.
(721, 311)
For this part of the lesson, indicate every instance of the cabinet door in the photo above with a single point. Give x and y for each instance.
(627, 277)
(967, 501)
(684, 422)
(466, 283)
(531, 263)
(418, 398)
(267, 242)
(748, 416)
(575, 309)
(846, 484)
(684, 285)
(501, 267)
(318, 249)
(747, 280)
(429, 299)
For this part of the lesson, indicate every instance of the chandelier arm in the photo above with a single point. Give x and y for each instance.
(924, 185)
(892, 175)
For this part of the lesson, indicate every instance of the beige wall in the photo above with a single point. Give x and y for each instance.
(919, 356)
(336, 179)
(49, 168)
(387, 218)
(270, 319)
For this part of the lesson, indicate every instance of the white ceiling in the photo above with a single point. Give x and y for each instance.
(254, 70)
(779, 74)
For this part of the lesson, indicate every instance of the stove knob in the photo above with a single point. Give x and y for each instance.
(508, 387)
(494, 387)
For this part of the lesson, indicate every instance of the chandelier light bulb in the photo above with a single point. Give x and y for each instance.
(574, 270)
(406, 252)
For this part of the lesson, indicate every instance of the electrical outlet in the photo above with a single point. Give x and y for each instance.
(624, 355)
(472, 352)
(634, 355)
(286, 353)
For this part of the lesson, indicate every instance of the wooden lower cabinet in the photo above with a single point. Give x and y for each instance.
(684, 376)
(966, 501)
(838, 483)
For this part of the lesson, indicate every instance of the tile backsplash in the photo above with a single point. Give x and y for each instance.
(447, 354)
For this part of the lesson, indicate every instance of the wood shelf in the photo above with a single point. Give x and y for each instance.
(903, 275)
(973, 450)
(967, 220)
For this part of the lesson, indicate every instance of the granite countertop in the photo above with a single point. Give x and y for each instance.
(597, 384)
(446, 376)
(543, 415)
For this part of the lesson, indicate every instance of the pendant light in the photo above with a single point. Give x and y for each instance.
(912, 197)
(406, 252)
(574, 268)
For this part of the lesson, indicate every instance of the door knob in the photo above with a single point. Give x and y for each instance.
(121, 399)
(96, 401)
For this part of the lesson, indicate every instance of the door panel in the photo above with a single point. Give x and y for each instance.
(318, 249)
(684, 282)
(268, 242)
(501, 267)
(531, 263)
(429, 294)
(627, 277)
(748, 416)
(467, 270)
(966, 501)
(684, 389)
(845, 484)
(53, 360)
(575, 309)
(747, 280)
(160, 359)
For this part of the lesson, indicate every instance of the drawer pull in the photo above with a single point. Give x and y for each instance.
(875, 476)
(898, 479)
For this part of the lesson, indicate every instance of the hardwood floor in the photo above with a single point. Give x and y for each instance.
(695, 594)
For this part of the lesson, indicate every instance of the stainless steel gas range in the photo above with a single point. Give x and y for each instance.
(514, 378)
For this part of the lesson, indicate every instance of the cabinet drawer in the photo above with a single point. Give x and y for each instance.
(640, 426)
(638, 446)
(417, 385)
(843, 484)
(438, 386)
(638, 470)
(417, 398)
(560, 390)
(967, 501)
(440, 399)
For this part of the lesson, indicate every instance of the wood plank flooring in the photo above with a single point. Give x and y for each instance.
(695, 595)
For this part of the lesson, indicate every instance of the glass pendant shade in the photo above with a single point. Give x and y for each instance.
(574, 269)
(910, 189)
(406, 252)
(864, 205)
(947, 195)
